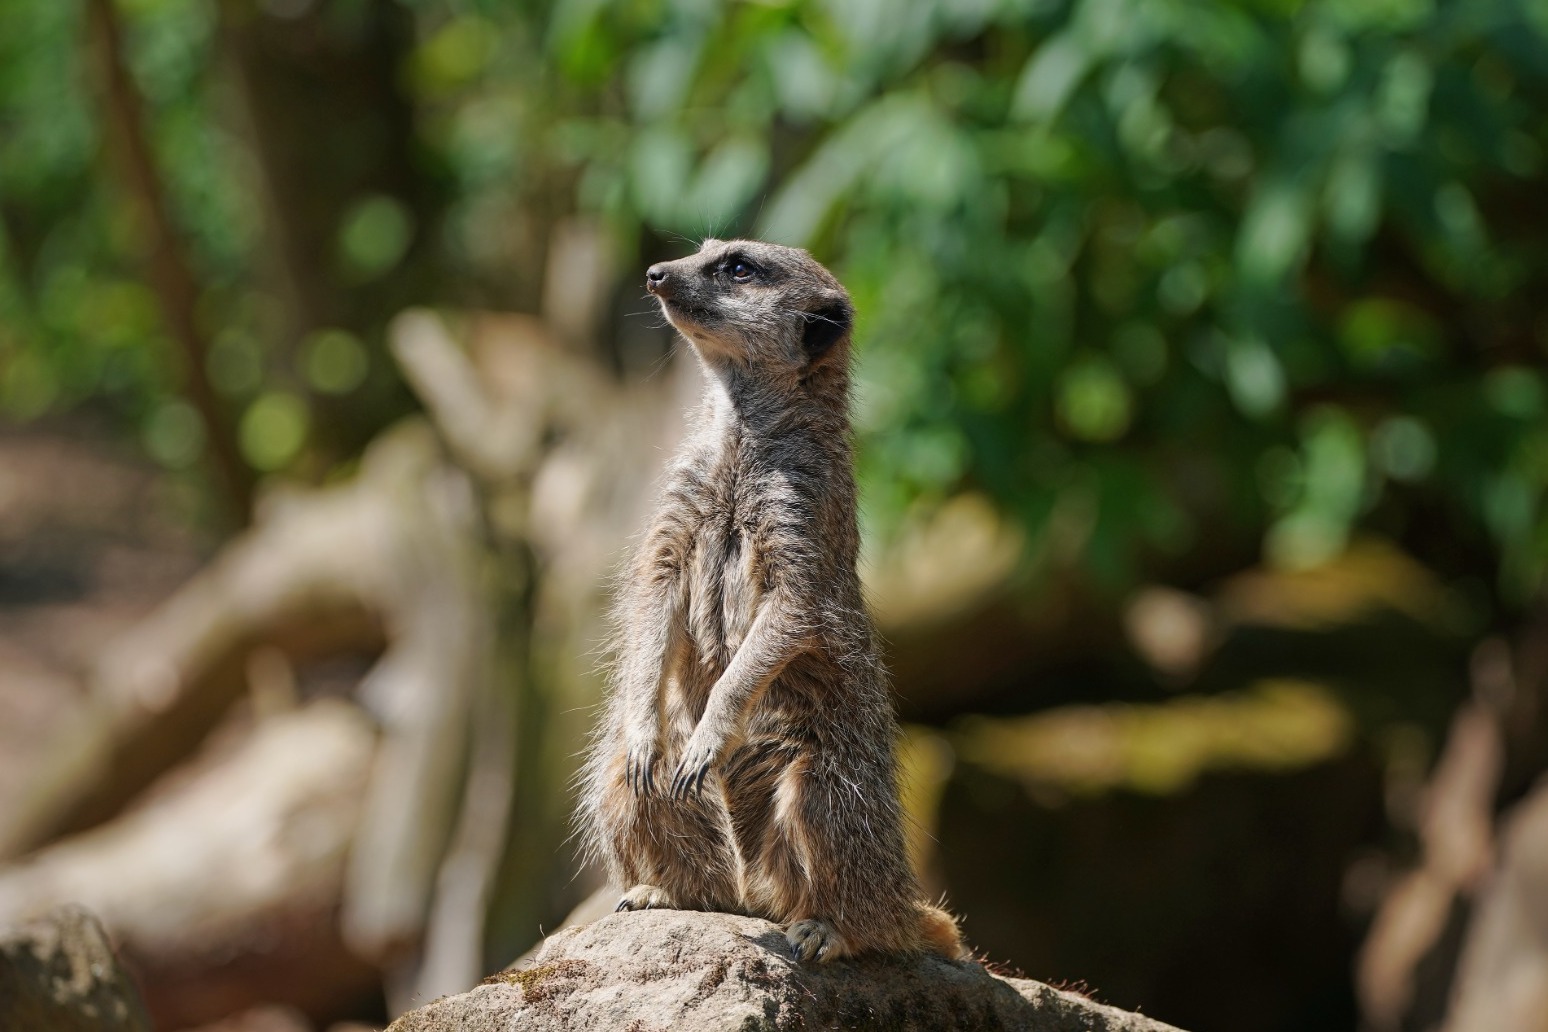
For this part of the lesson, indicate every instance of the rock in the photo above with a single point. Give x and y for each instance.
(667, 969)
(58, 974)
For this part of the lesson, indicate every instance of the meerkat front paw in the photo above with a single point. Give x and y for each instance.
(645, 897)
(640, 768)
(701, 752)
(813, 939)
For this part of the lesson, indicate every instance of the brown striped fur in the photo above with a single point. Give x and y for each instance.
(745, 761)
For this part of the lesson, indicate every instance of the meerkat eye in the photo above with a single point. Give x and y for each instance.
(741, 271)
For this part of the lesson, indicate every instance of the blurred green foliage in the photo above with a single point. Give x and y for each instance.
(1180, 281)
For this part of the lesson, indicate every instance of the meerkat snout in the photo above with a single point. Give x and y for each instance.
(657, 280)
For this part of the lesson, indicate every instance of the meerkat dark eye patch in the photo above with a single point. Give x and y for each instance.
(825, 326)
(739, 268)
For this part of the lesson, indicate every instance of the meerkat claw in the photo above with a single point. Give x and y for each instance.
(689, 779)
(639, 771)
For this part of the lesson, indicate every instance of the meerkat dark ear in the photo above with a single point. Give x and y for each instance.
(825, 327)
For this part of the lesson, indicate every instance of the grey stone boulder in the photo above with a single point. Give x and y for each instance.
(59, 974)
(660, 970)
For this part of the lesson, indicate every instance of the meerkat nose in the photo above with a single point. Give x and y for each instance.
(656, 278)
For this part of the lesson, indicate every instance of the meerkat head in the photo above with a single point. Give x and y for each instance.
(751, 303)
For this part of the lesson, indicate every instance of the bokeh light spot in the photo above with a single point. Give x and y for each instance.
(335, 361)
(174, 434)
(273, 429)
(374, 236)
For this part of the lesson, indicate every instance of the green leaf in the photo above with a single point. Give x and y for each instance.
(1050, 77)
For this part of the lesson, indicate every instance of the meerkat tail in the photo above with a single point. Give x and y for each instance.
(940, 932)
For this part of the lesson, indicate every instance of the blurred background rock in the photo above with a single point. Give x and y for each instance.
(1203, 450)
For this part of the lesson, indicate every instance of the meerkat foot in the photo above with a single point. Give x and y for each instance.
(813, 939)
(645, 897)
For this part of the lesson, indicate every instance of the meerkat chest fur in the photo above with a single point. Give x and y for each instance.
(752, 502)
(722, 579)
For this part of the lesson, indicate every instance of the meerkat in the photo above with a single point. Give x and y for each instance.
(745, 760)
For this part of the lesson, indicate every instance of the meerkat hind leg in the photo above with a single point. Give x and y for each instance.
(814, 939)
(646, 897)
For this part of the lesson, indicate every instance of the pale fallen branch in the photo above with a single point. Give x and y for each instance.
(194, 883)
